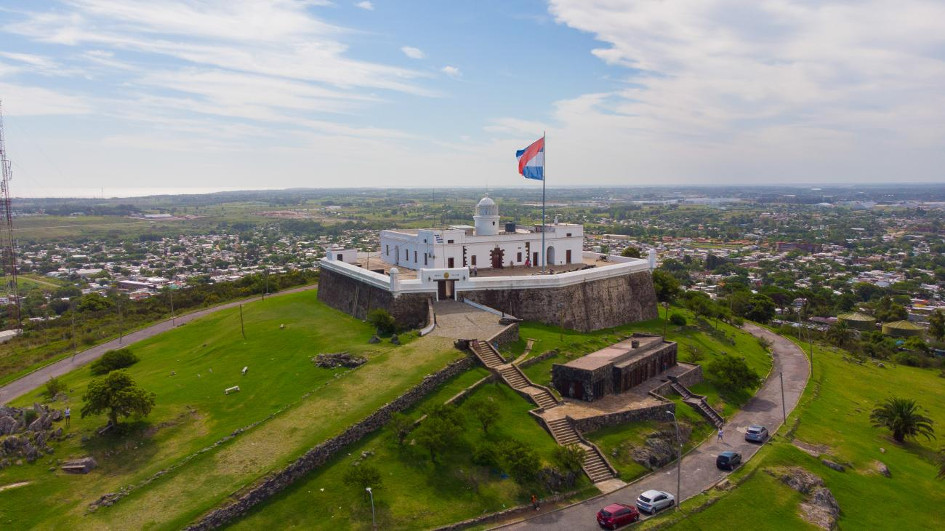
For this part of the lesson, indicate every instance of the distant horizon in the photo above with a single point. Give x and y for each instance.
(129, 193)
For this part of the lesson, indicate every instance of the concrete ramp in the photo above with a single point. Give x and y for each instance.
(458, 320)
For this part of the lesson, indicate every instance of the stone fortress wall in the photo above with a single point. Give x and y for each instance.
(587, 300)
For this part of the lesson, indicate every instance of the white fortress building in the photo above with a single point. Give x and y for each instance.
(487, 245)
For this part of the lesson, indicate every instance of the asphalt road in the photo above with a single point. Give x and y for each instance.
(39, 377)
(698, 466)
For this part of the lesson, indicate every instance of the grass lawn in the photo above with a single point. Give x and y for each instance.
(834, 415)
(188, 368)
(415, 493)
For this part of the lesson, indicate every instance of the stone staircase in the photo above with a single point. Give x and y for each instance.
(486, 353)
(594, 465)
(698, 403)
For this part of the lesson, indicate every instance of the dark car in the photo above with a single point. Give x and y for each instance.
(756, 433)
(616, 515)
(728, 460)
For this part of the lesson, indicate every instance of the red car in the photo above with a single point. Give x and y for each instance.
(616, 515)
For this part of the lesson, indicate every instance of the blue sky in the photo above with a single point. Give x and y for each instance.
(137, 96)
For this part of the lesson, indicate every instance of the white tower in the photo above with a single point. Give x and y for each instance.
(487, 218)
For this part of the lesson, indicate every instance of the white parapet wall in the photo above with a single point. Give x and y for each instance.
(617, 266)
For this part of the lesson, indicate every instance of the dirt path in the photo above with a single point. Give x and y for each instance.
(698, 466)
(31, 381)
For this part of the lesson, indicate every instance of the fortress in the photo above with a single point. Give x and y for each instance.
(493, 265)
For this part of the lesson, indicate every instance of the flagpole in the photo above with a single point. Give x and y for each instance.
(544, 175)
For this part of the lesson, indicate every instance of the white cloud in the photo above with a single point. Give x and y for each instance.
(451, 71)
(760, 90)
(365, 5)
(19, 100)
(413, 53)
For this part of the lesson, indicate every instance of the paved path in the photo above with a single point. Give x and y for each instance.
(698, 466)
(40, 376)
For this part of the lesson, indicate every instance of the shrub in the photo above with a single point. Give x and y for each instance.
(382, 320)
(569, 458)
(54, 386)
(363, 476)
(677, 320)
(520, 460)
(113, 360)
(731, 373)
(486, 454)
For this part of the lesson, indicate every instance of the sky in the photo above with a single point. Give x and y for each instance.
(131, 97)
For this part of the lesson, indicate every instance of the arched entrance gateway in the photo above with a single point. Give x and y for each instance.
(551, 256)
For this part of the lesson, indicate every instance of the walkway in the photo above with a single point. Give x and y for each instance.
(698, 466)
(458, 320)
(40, 376)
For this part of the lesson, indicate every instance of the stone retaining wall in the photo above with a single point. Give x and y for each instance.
(589, 306)
(321, 453)
(506, 335)
(502, 515)
(657, 412)
(357, 298)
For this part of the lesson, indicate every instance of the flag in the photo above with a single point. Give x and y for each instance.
(531, 160)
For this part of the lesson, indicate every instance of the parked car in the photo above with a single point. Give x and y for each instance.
(616, 515)
(756, 433)
(652, 501)
(728, 460)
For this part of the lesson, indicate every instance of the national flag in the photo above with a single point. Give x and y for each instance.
(531, 160)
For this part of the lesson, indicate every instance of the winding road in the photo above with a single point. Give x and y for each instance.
(698, 466)
(31, 381)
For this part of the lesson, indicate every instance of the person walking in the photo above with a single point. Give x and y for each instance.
(535, 502)
(68, 416)
(721, 434)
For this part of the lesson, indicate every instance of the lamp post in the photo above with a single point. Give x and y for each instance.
(665, 318)
(678, 460)
(373, 521)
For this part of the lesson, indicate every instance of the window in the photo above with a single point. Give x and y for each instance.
(387, 250)
(341, 258)
(415, 256)
(406, 254)
(449, 241)
(568, 235)
(473, 259)
(425, 256)
(518, 257)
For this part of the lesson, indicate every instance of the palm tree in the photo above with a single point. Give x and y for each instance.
(902, 417)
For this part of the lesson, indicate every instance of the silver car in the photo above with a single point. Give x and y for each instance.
(756, 433)
(652, 501)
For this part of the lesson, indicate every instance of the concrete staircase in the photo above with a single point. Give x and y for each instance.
(486, 353)
(594, 465)
(698, 403)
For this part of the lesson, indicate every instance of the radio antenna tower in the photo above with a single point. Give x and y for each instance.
(7, 241)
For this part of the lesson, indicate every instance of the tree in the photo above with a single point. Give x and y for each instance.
(363, 476)
(382, 320)
(112, 361)
(902, 417)
(631, 252)
(761, 308)
(118, 395)
(401, 425)
(666, 286)
(731, 373)
(937, 324)
(54, 386)
(839, 334)
(487, 413)
(439, 431)
(520, 460)
(569, 457)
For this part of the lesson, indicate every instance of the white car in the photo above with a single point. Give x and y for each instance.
(652, 501)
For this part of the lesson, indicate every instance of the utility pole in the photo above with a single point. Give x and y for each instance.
(783, 407)
(121, 321)
(170, 292)
(73, 329)
(678, 461)
(242, 328)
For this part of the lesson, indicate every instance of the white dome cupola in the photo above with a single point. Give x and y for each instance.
(487, 217)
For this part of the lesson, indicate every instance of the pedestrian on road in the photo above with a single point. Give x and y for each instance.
(535, 502)
(68, 415)
(721, 433)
